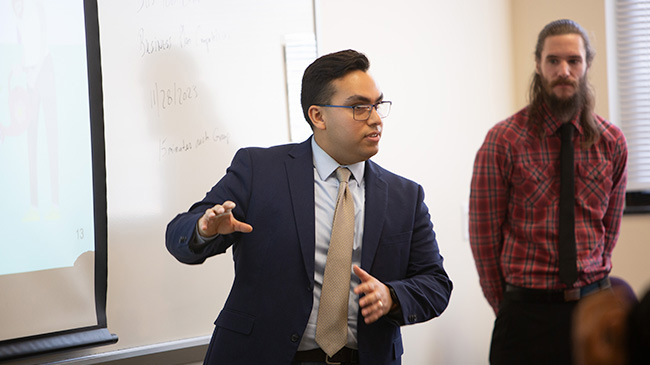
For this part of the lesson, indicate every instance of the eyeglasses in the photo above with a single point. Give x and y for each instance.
(363, 112)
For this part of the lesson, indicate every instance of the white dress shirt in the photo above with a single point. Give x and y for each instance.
(326, 187)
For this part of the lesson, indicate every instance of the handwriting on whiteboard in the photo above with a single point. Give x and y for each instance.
(168, 148)
(164, 97)
(183, 37)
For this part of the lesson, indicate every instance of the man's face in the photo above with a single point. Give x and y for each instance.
(348, 140)
(563, 65)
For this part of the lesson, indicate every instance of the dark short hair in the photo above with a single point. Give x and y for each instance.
(317, 80)
(561, 27)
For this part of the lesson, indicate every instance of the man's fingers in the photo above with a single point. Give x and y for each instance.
(373, 298)
(243, 227)
(361, 273)
(373, 312)
(228, 204)
(220, 209)
(219, 219)
(374, 304)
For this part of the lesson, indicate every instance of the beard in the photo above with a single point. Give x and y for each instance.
(582, 102)
(565, 108)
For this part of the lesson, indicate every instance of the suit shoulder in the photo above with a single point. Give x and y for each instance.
(391, 177)
(282, 148)
(270, 153)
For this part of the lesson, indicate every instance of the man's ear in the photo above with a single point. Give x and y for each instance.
(317, 118)
(537, 68)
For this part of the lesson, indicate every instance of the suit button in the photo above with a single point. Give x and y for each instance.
(413, 317)
(183, 239)
(295, 337)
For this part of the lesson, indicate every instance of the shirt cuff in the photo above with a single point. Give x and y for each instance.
(197, 242)
(395, 312)
(200, 239)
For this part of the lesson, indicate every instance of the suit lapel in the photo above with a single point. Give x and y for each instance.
(300, 173)
(376, 200)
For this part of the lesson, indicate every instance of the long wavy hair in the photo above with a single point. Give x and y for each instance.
(585, 99)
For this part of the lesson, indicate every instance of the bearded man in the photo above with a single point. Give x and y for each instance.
(538, 251)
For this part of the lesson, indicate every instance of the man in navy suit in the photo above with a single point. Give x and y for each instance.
(275, 208)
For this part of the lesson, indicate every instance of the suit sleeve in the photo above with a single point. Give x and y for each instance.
(234, 186)
(425, 291)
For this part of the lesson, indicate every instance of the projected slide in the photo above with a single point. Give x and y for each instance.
(46, 198)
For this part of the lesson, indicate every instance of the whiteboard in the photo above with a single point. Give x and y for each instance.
(186, 83)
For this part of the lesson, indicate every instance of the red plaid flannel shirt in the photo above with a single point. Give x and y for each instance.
(514, 204)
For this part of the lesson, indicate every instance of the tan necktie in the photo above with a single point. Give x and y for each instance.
(332, 323)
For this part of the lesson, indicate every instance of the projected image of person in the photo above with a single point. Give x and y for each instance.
(32, 99)
(46, 195)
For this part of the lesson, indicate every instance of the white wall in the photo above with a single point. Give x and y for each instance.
(447, 67)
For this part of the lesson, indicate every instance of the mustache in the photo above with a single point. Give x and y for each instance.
(564, 82)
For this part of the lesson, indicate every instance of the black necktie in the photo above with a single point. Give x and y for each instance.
(567, 241)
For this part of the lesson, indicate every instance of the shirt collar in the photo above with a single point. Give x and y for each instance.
(325, 165)
(552, 125)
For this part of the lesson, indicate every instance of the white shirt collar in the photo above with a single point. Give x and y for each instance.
(326, 165)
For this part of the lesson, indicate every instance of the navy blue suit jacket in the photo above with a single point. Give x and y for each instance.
(269, 304)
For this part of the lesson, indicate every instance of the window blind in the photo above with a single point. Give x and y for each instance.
(633, 60)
